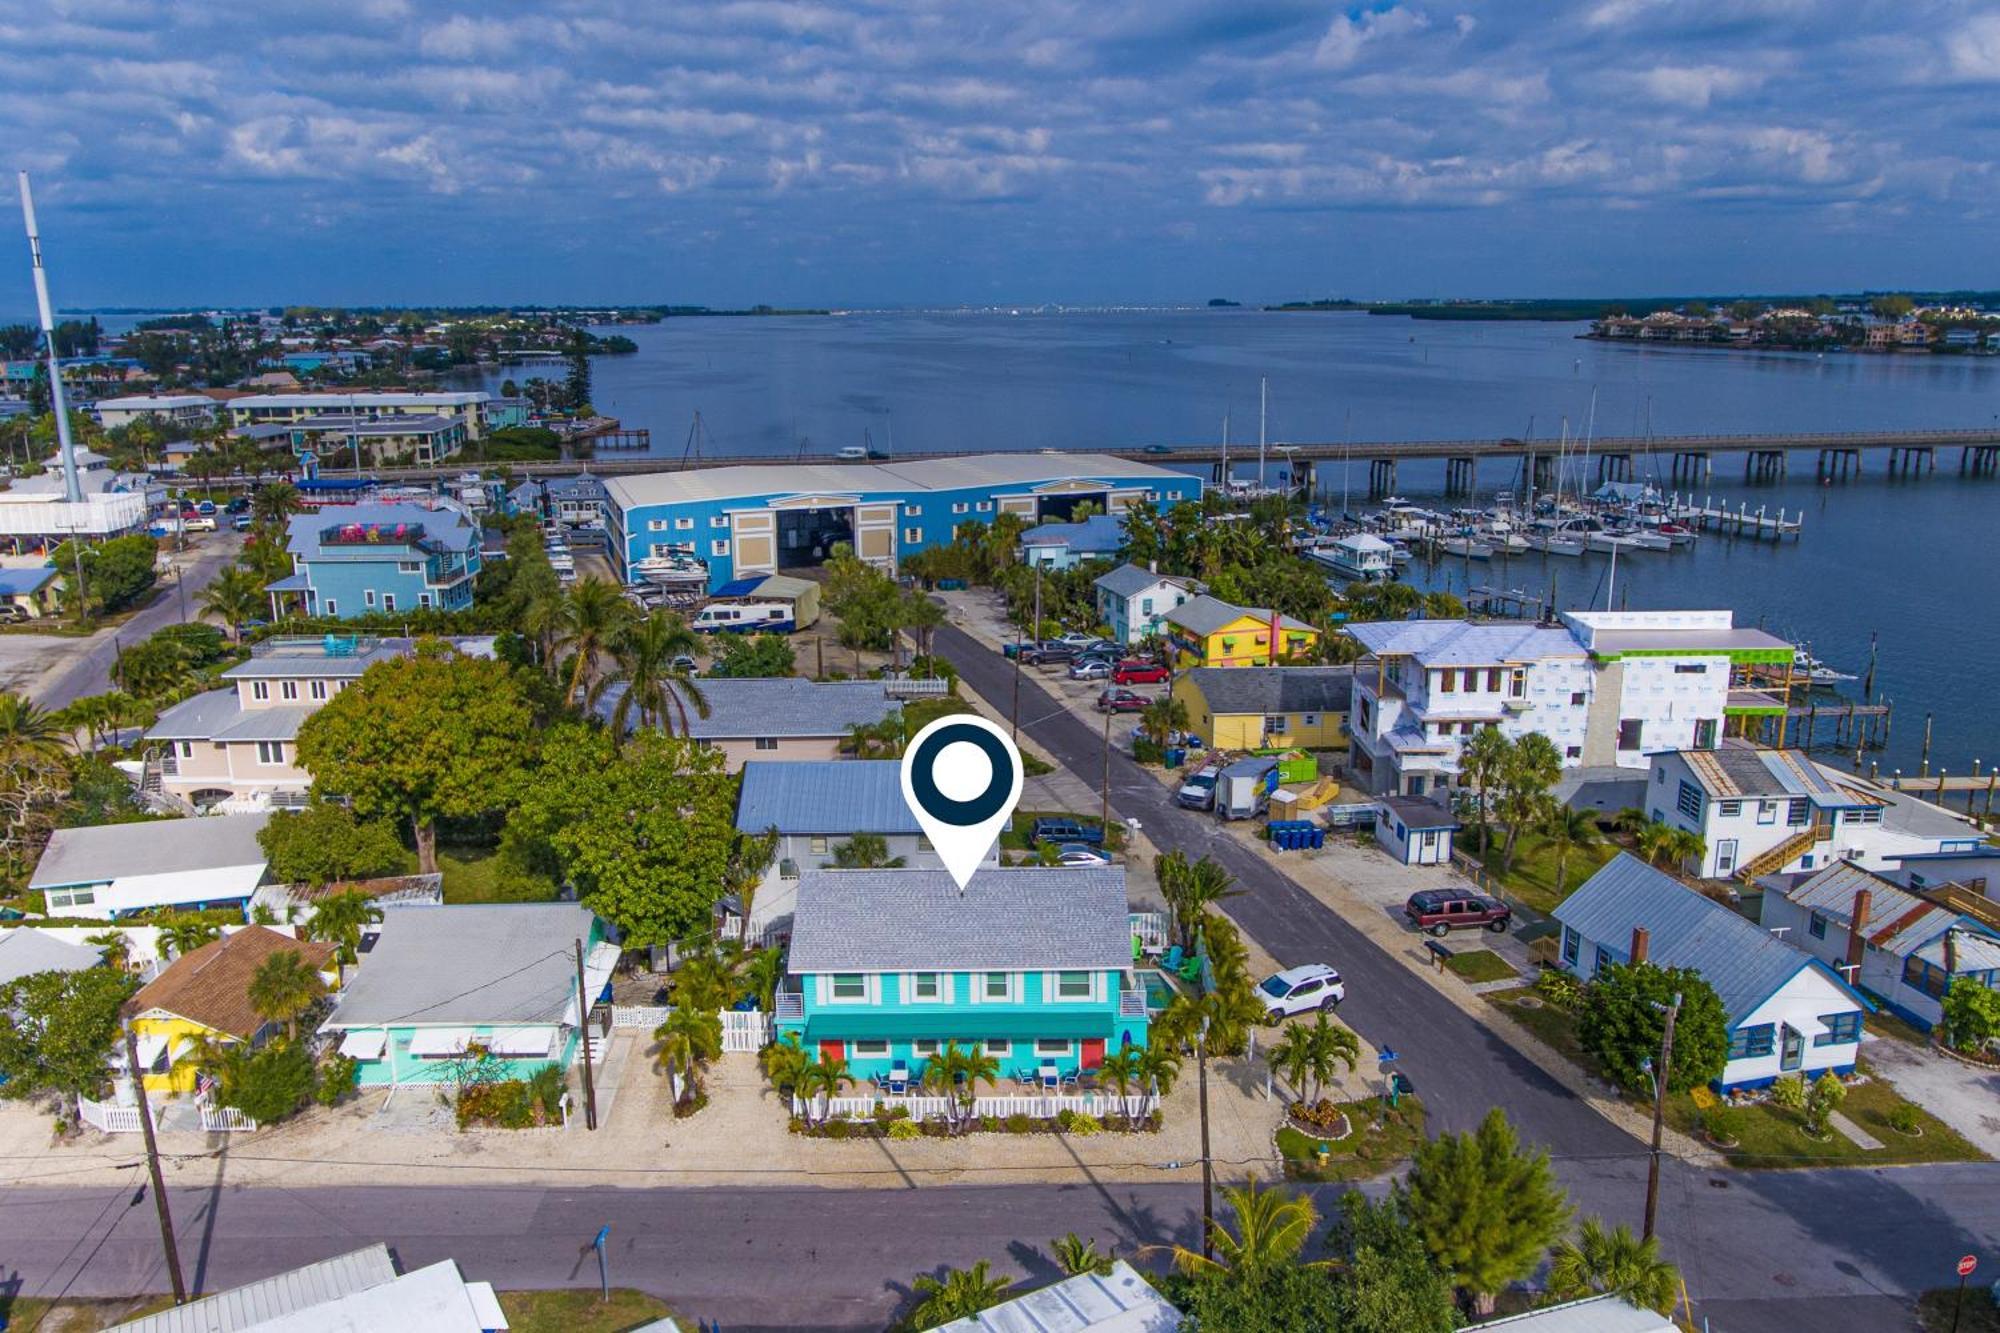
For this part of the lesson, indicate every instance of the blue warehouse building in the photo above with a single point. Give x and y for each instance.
(354, 560)
(753, 520)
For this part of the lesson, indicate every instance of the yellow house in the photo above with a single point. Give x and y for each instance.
(204, 995)
(1286, 706)
(1208, 632)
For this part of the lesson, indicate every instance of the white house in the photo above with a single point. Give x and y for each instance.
(1767, 812)
(110, 869)
(815, 806)
(179, 409)
(1134, 602)
(1906, 948)
(1415, 830)
(1788, 1012)
(1608, 688)
(1971, 867)
(357, 1290)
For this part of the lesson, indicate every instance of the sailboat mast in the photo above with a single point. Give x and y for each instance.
(72, 487)
(1263, 407)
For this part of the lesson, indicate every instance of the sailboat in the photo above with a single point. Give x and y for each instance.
(1548, 535)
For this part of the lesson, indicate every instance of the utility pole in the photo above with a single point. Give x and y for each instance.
(1017, 686)
(583, 1026)
(1207, 1164)
(1660, 1113)
(1104, 788)
(153, 1167)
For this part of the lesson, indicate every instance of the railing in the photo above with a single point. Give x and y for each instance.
(1776, 858)
(1150, 929)
(1132, 1004)
(639, 1015)
(912, 688)
(791, 1007)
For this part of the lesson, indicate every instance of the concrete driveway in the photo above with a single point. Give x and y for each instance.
(1963, 1096)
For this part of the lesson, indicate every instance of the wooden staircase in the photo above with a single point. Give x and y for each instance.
(1777, 858)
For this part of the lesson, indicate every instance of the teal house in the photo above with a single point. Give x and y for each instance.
(1033, 965)
(437, 980)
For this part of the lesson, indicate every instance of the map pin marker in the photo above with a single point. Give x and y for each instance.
(962, 779)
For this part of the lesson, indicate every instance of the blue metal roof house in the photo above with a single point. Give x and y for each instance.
(1067, 545)
(1789, 1013)
(355, 560)
(816, 806)
(761, 518)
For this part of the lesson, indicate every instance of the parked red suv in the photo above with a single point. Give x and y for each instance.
(1137, 671)
(1440, 911)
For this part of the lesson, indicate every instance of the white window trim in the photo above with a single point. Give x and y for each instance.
(278, 747)
(913, 534)
(910, 995)
(1068, 1047)
(260, 689)
(288, 689)
(388, 601)
(1005, 1044)
(720, 546)
(960, 507)
(925, 1047)
(979, 995)
(1052, 987)
(368, 597)
(854, 1047)
(718, 520)
(871, 989)
(683, 525)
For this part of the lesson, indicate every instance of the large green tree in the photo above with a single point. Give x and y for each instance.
(57, 1030)
(754, 655)
(1624, 1016)
(325, 843)
(1484, 1208)
(422, 738)
(644, 832)
(1388, 1283)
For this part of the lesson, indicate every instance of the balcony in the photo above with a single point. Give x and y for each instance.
(791, 1007)
(1131, 1004)
(1517, 706)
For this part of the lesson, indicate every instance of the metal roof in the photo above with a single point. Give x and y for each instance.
(1129, 580)
(781, 706)
(1418, 812)
(1099, 532)
(1743, 962)
(831, 796)
(444, 525)
(468, 963)
(754, 481)
(278, 723)
(1737, 768)
(26, 950)
(1594, 1314)
(1119, 1301)
(1465, 642)
(1025, 919)
(20, 582)
(248, 1306)
(1205, 615)
(104, 852)
(1277, 689)
(197, 719)
(303, 657)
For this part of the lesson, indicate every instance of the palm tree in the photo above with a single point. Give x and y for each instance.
(961, 1294)
(339, 918)
(922, 616)
(234, 597)
(275, 503)
(27, 729)
(1292, 1058)
(661, 691)
(1481, 762)
(763, 973)
(825, 1076)
(785, 1063)
(1568, 830)
(1306, 1055)
(1191, 888)
(283, 987)
(865, 851)
(955, 1074)
(1655, 841)
(116, 946)
(1158, 1067)
(1686, 847)
(182, 937)
(1121, 1070)
(1531, 770)
(1272, 1227)
(1077, 1256)
(1630, 820)
(1162, 718)
(689, 1039)
(876, 740)
(594, 616)
(1613, 1262)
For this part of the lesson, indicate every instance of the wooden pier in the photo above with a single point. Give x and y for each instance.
(1742, 521)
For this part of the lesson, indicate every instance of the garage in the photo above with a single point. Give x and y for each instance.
(1061, 508)
(807, 536)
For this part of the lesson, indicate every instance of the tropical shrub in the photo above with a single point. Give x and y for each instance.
(337, 1075)
(1823, 1098)
(1560, 988)
(905, 1129)
(1905, 1119)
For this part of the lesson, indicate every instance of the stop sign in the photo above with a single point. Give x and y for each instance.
(1966, 1265)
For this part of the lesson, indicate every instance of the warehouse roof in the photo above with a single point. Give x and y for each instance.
(752, 481)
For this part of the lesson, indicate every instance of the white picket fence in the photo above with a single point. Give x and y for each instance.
(1095, 1104)
(223, 1119)
(109, 1117)
(916, 687)
(743, 1030)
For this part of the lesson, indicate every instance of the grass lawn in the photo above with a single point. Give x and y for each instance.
(1555, 1028)
(579, 1311)
(76, 1315)
(1015, 837)
(1979, 1314)
(1382, 1138)
(1480, 965)
(1532, 881)
(478, 875)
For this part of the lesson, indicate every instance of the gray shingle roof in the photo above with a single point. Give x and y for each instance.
(1206, 615)
(197, 719)
(1743, 962)
(468, 963)
(1016, 920)
(1129, 580)
(1278, 689)
(785, 706)
(153, 847)
(831, 796)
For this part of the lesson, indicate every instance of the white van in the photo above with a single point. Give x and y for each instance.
(744, 618)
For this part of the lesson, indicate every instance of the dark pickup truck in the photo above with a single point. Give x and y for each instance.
(1060, 831)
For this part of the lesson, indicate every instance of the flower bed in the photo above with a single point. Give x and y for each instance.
(1321, 1120)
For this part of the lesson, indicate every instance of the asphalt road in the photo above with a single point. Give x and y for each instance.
(85, 665)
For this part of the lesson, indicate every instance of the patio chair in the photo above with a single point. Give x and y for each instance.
(1172, 960)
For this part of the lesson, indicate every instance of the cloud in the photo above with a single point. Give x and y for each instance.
(1974, 50)
(1697, 85)
(1348, 35)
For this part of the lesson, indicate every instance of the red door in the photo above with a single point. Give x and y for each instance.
(832, 1050)
(1093, 1052)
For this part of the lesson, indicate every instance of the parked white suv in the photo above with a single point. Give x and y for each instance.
(1299, 990)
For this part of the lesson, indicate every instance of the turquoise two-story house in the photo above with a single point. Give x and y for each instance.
(1032, 965)
(364, 559)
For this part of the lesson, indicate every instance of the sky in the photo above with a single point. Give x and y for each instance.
(947, 152)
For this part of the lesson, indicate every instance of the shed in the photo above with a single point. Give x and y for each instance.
(1415, 830)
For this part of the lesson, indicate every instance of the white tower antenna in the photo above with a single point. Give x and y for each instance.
(72, 489)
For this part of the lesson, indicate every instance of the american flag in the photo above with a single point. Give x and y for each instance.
(204, 1084)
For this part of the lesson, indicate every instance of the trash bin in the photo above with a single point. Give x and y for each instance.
(1175, 757)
